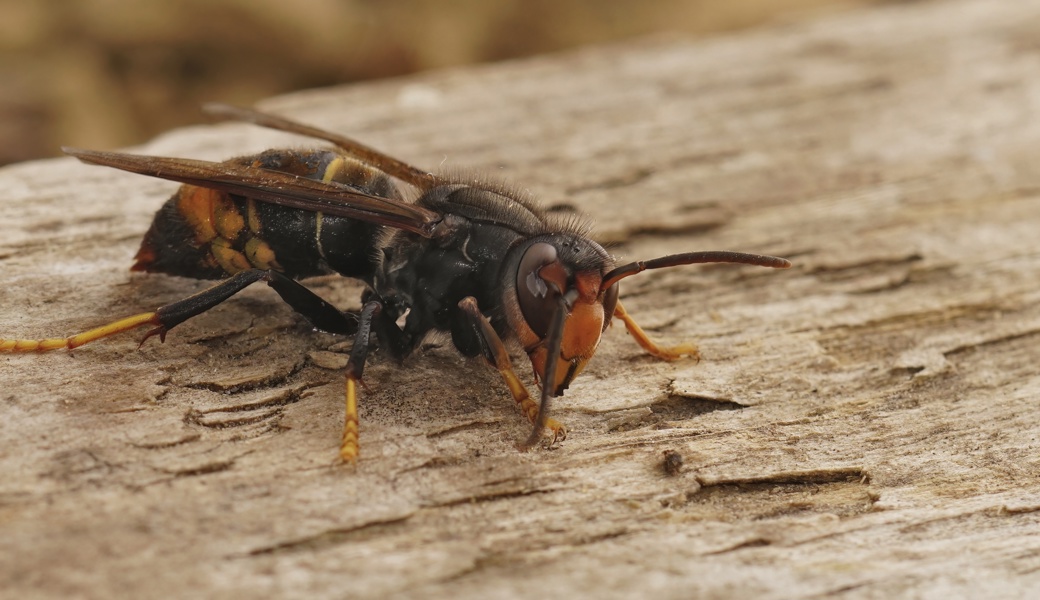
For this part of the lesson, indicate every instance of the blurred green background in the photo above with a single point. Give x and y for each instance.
(109, 73)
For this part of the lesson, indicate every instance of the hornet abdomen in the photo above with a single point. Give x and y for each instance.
(209, 234)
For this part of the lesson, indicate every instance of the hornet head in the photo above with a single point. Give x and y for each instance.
(561, 291)
(560, 273)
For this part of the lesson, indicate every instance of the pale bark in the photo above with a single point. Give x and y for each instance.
(863, 425)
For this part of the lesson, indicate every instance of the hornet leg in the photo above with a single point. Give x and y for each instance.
(668, 353)
(349, 446)
(320, 313)
(497, 356)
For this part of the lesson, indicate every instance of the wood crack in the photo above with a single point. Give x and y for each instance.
(330, 537)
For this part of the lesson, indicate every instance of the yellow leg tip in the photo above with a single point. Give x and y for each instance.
(45, 345)
(348, 453)
(33, 345)
(349, 448)
(676, 352)
(558, 429)
(559, 433)
(670, 353)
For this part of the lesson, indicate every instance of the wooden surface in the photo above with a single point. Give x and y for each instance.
(863, 425)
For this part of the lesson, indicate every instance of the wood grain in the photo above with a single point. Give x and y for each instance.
(863, 425)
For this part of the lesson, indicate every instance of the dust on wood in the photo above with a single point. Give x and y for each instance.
(863, 425)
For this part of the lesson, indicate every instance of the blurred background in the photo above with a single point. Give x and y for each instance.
(110, 73)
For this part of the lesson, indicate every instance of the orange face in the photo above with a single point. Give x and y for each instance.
(546, 283)
(581, 332)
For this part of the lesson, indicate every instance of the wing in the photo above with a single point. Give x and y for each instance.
(385, 163)
(274, 187)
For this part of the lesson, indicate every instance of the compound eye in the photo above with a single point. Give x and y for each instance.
(532, 291)
(610, 298)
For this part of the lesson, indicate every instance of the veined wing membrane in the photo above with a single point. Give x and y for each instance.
(274, 187)
(384, 162)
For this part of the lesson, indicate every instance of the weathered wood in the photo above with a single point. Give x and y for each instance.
(860, 426)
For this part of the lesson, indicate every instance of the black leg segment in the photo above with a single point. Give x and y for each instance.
(320, 313)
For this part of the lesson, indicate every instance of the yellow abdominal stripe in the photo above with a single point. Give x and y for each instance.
(229, 259)
(261, 255)
(227, 220)
(335, 166)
